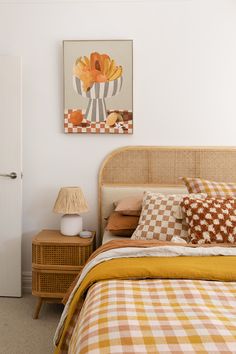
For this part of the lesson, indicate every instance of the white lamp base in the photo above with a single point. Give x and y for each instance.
(71, 224)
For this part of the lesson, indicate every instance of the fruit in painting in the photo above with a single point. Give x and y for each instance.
(113, 118)
(97, 68)
(76, 118)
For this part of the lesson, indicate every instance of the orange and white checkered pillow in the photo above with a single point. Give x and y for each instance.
(157, 220)
(210, 220)
(211, 188)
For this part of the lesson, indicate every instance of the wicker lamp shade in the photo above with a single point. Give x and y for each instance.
(70, 200)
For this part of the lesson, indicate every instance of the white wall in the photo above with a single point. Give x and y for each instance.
(184, 87)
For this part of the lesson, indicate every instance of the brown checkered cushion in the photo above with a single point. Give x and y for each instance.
(211, 188)
(157, 220)
(210, 220)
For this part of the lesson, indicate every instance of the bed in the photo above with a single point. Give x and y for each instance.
(152, 296)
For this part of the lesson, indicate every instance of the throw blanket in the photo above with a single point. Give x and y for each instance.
(141, 261)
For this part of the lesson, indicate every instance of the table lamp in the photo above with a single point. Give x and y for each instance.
(71, 202)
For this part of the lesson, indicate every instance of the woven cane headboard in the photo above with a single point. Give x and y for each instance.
(162, 166)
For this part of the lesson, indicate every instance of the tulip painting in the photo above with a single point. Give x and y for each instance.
(98, 87)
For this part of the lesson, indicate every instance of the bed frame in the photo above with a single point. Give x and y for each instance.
(159, 167)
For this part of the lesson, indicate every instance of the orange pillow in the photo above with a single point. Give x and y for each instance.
(129, 206)
(122, 225)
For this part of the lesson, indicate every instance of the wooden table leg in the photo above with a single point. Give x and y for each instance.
(38, 308)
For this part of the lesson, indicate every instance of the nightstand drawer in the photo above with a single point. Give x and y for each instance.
(51, 283)
(72, 255)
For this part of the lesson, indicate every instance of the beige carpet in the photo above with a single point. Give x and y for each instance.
(19, 333)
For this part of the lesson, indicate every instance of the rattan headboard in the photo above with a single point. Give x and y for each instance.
(162, 166)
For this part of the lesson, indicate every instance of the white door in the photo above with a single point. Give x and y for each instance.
(10, 188)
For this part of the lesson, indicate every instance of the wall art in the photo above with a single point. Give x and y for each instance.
(98, 86)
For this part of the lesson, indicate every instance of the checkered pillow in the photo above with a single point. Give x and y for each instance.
(210, 220)
(212, 189)
(157, 220)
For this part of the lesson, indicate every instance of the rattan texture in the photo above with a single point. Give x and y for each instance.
(51, 283)
(56, 261)
(61, 255)
(164, 165)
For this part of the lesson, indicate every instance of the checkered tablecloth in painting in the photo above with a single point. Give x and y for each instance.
(98, 127)
(157, 316)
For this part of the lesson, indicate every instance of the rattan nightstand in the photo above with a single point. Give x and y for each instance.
(56, 261)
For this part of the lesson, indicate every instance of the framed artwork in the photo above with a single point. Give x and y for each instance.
(98, 86)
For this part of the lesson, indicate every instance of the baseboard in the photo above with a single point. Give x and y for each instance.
(26, 282)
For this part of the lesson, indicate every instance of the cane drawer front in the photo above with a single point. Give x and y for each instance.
(50, 247)
(70, 255)
(51, 283)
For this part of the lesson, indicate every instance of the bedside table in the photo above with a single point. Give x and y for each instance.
(56, 261)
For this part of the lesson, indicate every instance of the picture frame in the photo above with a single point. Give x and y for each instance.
(98, 86)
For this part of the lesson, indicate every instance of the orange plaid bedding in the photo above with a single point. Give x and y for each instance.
(164, 298)
(157, 316)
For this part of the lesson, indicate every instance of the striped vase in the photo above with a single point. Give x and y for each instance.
(96, 110)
